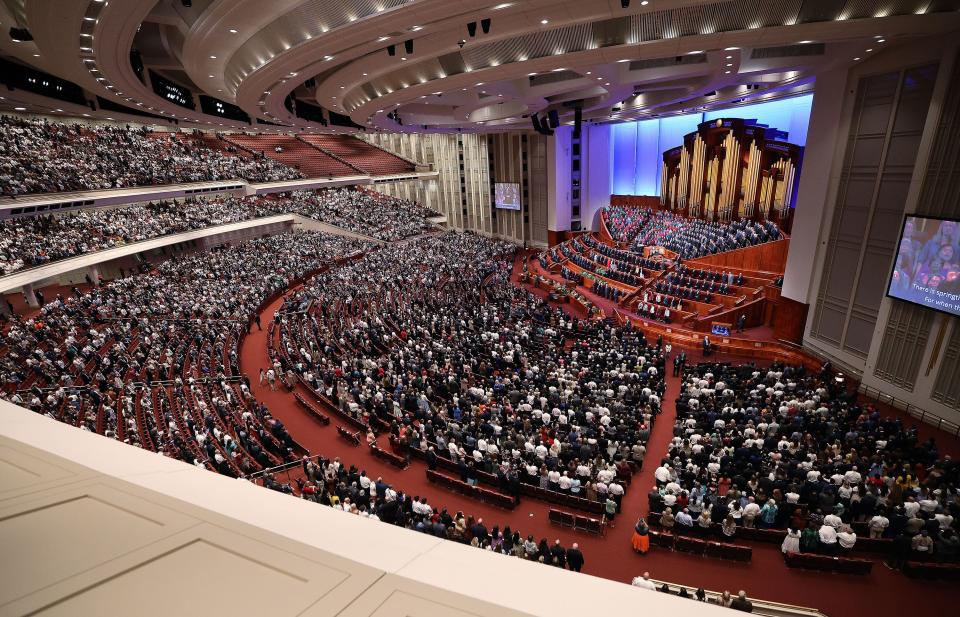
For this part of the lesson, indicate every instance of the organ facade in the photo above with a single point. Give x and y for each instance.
(732, 168)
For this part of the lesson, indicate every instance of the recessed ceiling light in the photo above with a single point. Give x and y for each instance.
(727, 72)
(20, 109)
(589, 72)
(544, 21)
(805, 42)
(644, 3)
(881, 40)
(729, 57)
(404, 58)
(855, 59)
(416, 28)
(213, 57)
(383, 38)
(729, 64)
(328, 58)
(623, 60)
(557, 70)
(869, 50)
(730, 48)
(36, 55)
(364, 74)
(342, 87)
(233, 30)
(504, 5)
(528, 75)
(607, 84)
(210, 76)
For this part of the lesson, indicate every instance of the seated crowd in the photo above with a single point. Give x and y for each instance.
(332, 483)
(34, 241)
(39, 156)
(152, 359)
(431, 342)
(365, 212)
(688, 237)
(781, 448)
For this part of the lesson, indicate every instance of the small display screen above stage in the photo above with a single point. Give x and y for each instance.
(506, 195)
(927, 268)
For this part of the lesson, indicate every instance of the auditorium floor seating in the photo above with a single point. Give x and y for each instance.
(610, 555)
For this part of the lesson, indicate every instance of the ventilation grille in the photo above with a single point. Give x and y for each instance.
(659, 63)
(553, 78)
(788, 51)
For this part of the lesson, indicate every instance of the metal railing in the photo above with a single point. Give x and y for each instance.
(927, 417)
(760, 607)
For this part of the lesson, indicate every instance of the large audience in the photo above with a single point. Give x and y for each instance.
(365, 212)
(331, 483)
(39, 156)
(783, 448)
(689, 238)
(488, 376)
(34, 241)
(152, 359)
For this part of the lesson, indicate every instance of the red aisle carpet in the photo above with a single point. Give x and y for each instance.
(611, 557)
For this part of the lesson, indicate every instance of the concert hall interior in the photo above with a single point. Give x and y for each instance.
(460, 307)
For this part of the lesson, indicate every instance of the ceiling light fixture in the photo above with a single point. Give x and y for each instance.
(544, 21)
(730, 48)
(233, 30)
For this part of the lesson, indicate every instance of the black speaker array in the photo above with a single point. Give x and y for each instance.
(554, 118)
(577, 119)
(408, 46)
(391, 50)
(485, 25)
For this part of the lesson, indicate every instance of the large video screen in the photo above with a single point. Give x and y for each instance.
(927, 268)
(506, 195)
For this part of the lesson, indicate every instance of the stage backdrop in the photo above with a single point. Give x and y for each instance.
(638, 147)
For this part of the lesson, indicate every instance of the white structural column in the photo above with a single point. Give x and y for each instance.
(819, 178)
(31, 296)
(558, 184)
(94, 273)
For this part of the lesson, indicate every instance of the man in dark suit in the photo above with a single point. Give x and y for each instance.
(741, 603)
(558, 554)
(574, 557)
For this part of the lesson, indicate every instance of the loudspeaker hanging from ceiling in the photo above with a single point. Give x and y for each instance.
(485, 25)
(554, 118)
(408, 45)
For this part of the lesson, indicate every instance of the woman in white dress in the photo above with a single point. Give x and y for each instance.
(791, 544)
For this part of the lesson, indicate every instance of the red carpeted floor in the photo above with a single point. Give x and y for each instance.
(884, 592)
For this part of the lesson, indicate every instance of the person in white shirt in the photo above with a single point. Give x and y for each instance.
(846, 538)
(662, 474)
(833, 520)
(828, 538)
(877, 525)
(644, 582)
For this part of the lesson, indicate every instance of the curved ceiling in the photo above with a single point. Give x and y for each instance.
(450, 65)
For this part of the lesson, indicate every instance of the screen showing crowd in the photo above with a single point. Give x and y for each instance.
(927, 270)
(506, 195)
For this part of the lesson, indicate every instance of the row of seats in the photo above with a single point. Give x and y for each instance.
(360, 154)
(494, 498)
(698, 546)
(577, 522)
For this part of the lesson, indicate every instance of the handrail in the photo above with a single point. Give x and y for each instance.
(928, 417)
(760, 607)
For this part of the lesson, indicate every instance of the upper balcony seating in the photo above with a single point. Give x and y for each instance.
(360, 154)
(311, 162)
